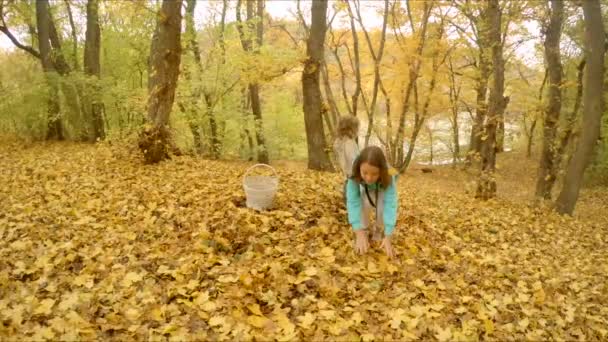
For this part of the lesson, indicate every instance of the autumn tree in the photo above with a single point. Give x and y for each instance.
(318, 158)
(593, 107)
(547, 170)
(414, 65)
(165, 55)
(92, 68)
(55, 127)
(255, 25)
(486, 187)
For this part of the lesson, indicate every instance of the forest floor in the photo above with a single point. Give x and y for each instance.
(96, 245)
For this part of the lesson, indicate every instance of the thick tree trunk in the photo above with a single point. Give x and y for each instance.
(54, 125)
(500, 135)
(92, 68)
(331, 100)
(570, 120)
(73, 92)
(547, 170)
(486, 187)
(593, 108)
(481, 104)
(318, 159)
(165, 55)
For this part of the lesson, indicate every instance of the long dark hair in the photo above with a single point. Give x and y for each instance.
(374, 156)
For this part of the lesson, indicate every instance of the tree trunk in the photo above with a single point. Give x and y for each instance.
(73, 93)
(429, 131)
(500, 135)
(531, 139)
(165, 55)
(357, 63)
(377, 58)
(481, 105)
(192, 44)
(547, 170)
(74, 34)
(331, 100)
(486, 187)
(593, 108)
(54, 125)
(420, 119)
(570, 120)
(92, 68)
(454, 97)
(536, 113)
(318, 159)
(246, 133)
(254, 87)
(397, 149)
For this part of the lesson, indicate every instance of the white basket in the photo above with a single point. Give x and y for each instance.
(260, 190)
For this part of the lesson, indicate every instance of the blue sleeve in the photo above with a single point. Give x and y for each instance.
(353, 204)
(391, 203)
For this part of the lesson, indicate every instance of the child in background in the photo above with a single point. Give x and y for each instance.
(372, 188)
(345, 146)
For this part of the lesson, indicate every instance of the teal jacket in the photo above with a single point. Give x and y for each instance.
(354, 203)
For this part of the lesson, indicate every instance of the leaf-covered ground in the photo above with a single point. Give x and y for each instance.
(95, 245)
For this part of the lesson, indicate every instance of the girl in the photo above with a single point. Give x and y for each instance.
(345, 146)
(372, 188)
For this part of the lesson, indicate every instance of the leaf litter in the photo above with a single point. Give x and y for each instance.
(97, 245)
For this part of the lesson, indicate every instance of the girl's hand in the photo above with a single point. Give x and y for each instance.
(388, 248)
(362, 245)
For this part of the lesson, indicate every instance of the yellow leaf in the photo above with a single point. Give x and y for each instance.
(539, 296)
(285, 324)
(227, 279)
(311, 272)
(368, 337)
(217, 320)
(132, 314)
(396, 323)
(466, 299)
(45, 306)
(77, 321)
(85, 280)
(489, 326)
(460, 310)
(257, 321)
(523, 298)
(43, 333)
(131, 278)
(418, 283)
(246, 279)
(255, 309)
(443, 334)
(306, 320)
(326, 251)
(523, 324)
(328, 314)
(69, 302)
